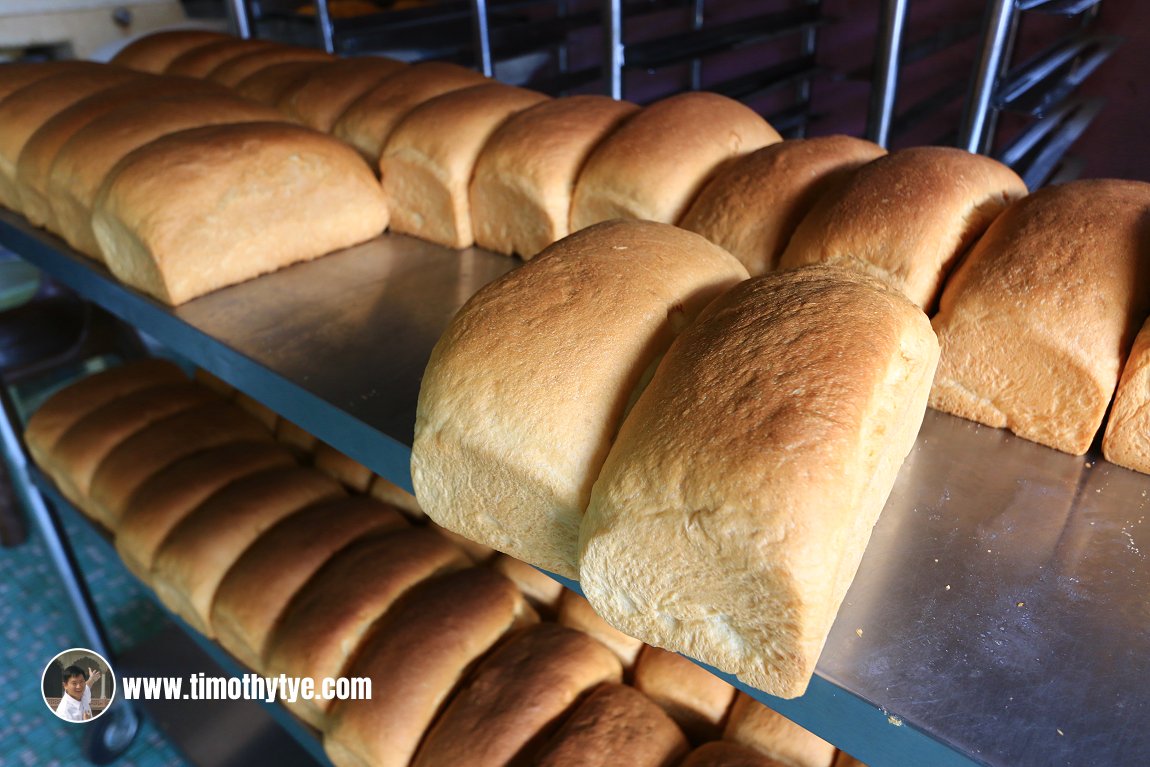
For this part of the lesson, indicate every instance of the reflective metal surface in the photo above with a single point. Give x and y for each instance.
(1001, 614)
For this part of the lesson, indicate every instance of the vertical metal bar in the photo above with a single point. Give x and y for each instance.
(482, 36)
(697, 63)
(807, 47)
(991, 126)
(974, 136)
(561, 53)
(613, 47)
(884, 82)
(324, 27)
(240, 22)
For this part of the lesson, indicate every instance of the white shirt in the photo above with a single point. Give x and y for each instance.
(76, 710)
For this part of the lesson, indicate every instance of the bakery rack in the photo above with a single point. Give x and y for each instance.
(998, 618)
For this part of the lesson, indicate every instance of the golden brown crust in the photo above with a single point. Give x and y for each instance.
(268, 85)
(388, 492)
(453, 620)
(258, 586)
(235, 70)
(321, 98)
(576, 612)
(368, 122)
(753, 725)
(754, 203)
(325, 622)
(259, 197)
(350, 473)
(521, 189)
(155, 52)
(517, 477)
(517, 697)
(1127, 438)
(1037, 320)
(906, 218)
(429, 158)
(172, 493)
(17, 74)
(541, 590)
(655, 165)
(616, 724)
(723, 754)
(808, 387)
(695, 698)
(201, 60)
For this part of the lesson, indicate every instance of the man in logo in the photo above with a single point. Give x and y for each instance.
(76, 705)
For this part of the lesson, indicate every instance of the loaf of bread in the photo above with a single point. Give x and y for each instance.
(210, 380)
(320, 99)
(1127, 438)
(720, 753)
(297, 439)
(258, 586)
(268, 85)
(1037, 321)
(34, 166)
(906, 218)
(752, 205)
(257, 410)
(349, 472)
(81, 449)
(368, 122)
(88, 156)
(233, 71)
(388, 492)
(16, 75)
(476, 552)
(419, 652)
(615, 724)
(161, 444)
(23, 111)
(807, 388)
(695, 698)
(155, 52)
(321, 628)
(576, 612)
(521, 189)
(526, 389)
(846, 760)
(169, 495)
(765, 730)
(64, 408)
(517, 698)
(541, 590)
(202, 59)
(656, 163)
(428, 161)
(196, 555)
(258, 197)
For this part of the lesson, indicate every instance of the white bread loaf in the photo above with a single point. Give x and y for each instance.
(695, 698)
(452, 620)
(68, 405)
(807, 389)
(576, 612)
(169, 495)
(34, 166)
(162, 443)
(232, 72)
(719, 753)
(765, 730)
(429, 158)
(23, 111)
(78, 453)
(368, 122)
(1036, 322)
(615, 724)
(520, 401)
(752, 206)
(319, 100)
(259, 197)
(517, 698)
(197, 553)
(659, 160)
(906, 218)
(202, 59)
(155, 52)
(322, 627)
(268, 85)
(524, 177)
(1127, 438)
(540, 589)
(258, 586)
(85, 160)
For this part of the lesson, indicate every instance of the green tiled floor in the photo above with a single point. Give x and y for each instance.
(36, 622)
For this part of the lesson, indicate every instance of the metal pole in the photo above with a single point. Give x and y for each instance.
(696, 63)
(884, 85)
(324, 26)
(807, 47)
(613, 52)
(239, 20)
(482, 36)
(974, 136)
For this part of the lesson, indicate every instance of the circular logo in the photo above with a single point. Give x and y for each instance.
(79, 685)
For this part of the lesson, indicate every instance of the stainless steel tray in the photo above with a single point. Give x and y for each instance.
(1001, 614)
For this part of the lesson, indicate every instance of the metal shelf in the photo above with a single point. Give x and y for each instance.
(998, 618)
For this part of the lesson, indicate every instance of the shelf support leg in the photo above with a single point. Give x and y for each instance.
(884, 82)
